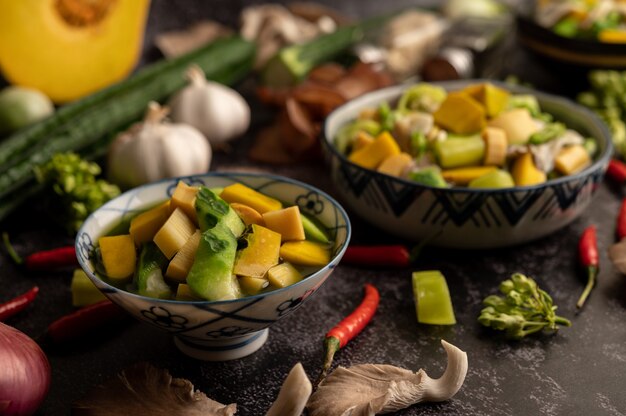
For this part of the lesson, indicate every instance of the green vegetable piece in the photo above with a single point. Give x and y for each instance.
(418, 143)
(524, 309)
(386, 116)
(550, 132)
(84, 292)
(313, 230)
(493, 180)
(347, 133)
(526, 101)
(422, 97)
(211, 276)
(74, 188)
(459, 151)
(567, 27)
(149, 273)
(591, 146)
(21, 106)
(432, 298)
(430, 176)
(212, 209)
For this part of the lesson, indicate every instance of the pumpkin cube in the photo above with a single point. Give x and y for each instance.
(144, 226)
(173, 235)
(525, 172)
(362, 139)
(179, 267)
(493, 99)
(287, 222)
(371, 155)
(283, 275)
(184, 197)
(247, 214)
(460, 114)
(396, 165)
(252, 285)
(305, 253)
(184, 292)
(260, 254)
(572, 159)
(241, 193)
(118, 256)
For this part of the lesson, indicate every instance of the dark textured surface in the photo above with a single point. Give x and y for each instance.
(580, 371)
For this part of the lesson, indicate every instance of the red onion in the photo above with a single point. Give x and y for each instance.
(24, 373)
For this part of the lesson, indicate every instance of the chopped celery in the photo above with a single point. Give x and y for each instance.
(549, 132)
(432, 298)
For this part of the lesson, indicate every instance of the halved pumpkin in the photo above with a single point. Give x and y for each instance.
(70, 48)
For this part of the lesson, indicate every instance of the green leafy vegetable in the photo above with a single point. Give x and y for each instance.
(74, 188)
(523, 310)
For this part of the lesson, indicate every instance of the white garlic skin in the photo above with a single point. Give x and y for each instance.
(219, 112)
(154, 150)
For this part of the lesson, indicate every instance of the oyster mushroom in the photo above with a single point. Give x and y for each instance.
(370, 389)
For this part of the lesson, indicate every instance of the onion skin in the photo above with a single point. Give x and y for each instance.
(24, 373)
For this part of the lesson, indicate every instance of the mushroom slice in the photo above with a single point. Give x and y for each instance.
(617, 255)
(143, 390)
(370, 389)
(293, 395)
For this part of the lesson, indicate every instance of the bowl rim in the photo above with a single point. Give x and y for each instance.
(338, 254)
(396, 90)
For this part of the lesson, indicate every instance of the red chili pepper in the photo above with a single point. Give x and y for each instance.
(391, 255)
(621, 221)
(616, 171)
(588, 253)
(18, 303)
(83, 320)
(349, 327)
(52, 259)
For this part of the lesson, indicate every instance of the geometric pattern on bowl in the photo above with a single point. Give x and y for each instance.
(462, 217)
(218, 330)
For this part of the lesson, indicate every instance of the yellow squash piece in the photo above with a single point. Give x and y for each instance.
(525, 173)
(70, 48)
(495, 146)
(260, 254)
(247, 214)
(118, 256)
(305, 253)
(245, 195)
(518, 125)
(287, 222)
(572, 159)
(283, 275)
(184, 197)
(84, 292)
(463, 176)
(252, 285)
(184, 292)
(173, 235)
(179, 267)
(371, 155)
(493, 99)
(612, 36)
(396, 165)
(460, 114)
(362, 139)
(144, 226)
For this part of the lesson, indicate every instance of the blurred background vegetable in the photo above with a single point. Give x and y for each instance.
(156, 149)
(64, 48)
(21, 106)
(25, 375)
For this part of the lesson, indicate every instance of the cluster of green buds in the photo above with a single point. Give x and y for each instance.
(75, 187)
(523, 309)
(607, 98)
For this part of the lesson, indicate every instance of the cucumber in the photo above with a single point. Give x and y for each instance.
(149, 273)
(313, 230)
(211, 276)
(96, 118)
(212, 209)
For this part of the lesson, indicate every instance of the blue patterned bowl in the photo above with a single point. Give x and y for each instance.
(461, 217)
(221, 330)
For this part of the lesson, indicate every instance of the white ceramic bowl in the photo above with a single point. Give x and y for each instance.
(220, 330)
(461, 217)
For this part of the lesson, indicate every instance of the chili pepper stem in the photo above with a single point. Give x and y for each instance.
(10, 249)
(592, 272)
(331, 346)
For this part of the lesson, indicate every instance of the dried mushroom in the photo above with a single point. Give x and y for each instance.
(146, 390)
(370, 389)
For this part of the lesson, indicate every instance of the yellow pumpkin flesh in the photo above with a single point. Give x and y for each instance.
(70, 48)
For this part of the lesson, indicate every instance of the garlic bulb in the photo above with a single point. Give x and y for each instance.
(156, 149)
(219, 112)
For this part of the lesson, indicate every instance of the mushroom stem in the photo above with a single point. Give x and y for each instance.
(446, 386)
(293, 395)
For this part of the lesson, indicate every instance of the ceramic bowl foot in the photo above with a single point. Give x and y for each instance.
(222, 350)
